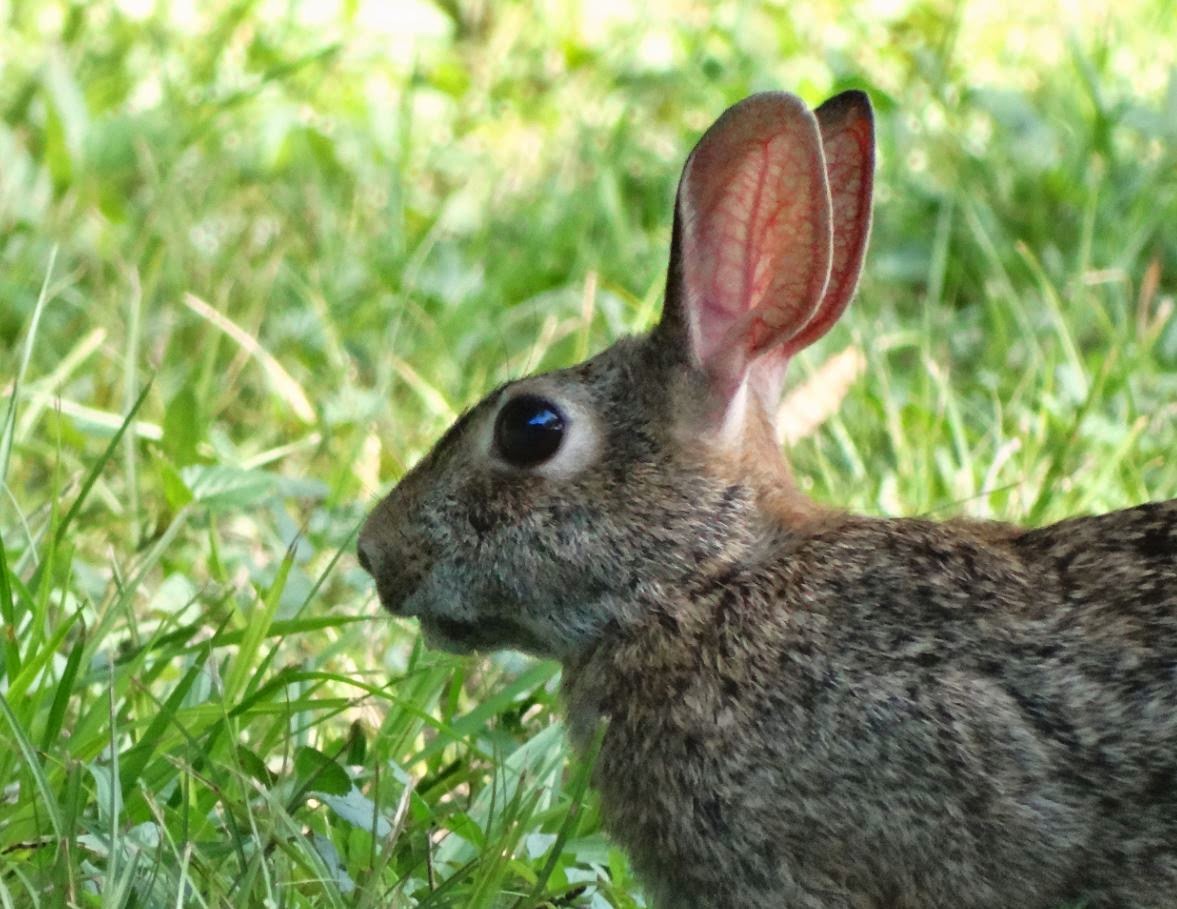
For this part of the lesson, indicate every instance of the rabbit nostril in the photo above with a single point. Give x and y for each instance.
(364, 559)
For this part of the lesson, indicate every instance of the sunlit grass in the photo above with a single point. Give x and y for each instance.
(253, 259)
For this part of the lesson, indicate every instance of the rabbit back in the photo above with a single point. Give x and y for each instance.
(899, 713)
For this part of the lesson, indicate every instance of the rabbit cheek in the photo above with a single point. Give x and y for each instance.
(465, 612)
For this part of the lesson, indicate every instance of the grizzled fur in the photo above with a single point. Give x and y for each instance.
(898, 714)
(801, 708)
(489, 559)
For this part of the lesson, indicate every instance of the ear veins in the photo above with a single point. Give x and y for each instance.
(755, 216)
(769, 320)
(757, 231)
(775, 229)
(847, 134)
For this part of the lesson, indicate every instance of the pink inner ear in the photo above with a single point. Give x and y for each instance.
(756, 221)
(847, 135)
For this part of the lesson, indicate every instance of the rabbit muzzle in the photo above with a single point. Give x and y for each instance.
(414, 579)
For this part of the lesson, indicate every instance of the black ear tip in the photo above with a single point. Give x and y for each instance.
(852, 103)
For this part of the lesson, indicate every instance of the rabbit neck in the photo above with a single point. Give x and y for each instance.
(750, 513)
(779, 503)
(655, 640)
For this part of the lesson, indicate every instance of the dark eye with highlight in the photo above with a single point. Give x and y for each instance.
(528, 431)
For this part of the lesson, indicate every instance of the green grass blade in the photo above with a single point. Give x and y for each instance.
(64, 691)
(91, 478)
(35, 768)
(580, 784)
(11, 649)
(136, 758)
(9, 426)
(257, 628)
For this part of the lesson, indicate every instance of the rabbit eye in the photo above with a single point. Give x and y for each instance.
(528, 430)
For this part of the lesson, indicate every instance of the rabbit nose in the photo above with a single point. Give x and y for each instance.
(367, 555)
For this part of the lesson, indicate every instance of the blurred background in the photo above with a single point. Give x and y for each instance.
(255, 256)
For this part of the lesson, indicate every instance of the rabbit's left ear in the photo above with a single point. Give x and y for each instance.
(848, 143)
(763, 258)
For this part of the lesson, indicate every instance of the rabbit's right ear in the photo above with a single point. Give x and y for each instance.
(762, 262)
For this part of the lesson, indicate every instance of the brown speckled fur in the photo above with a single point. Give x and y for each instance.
(899, 713)
(805, 709)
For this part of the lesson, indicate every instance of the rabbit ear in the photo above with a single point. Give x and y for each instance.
(848, 141)
(752, 247)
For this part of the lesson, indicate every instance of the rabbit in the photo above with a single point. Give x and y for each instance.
(796, 707)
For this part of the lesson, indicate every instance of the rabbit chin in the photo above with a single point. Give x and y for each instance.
(461, 636)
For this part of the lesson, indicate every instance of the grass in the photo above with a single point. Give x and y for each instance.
(254, 257)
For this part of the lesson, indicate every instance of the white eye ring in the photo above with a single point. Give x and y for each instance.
(581, 442)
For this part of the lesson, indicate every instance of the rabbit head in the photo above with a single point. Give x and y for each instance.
(546, 509)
